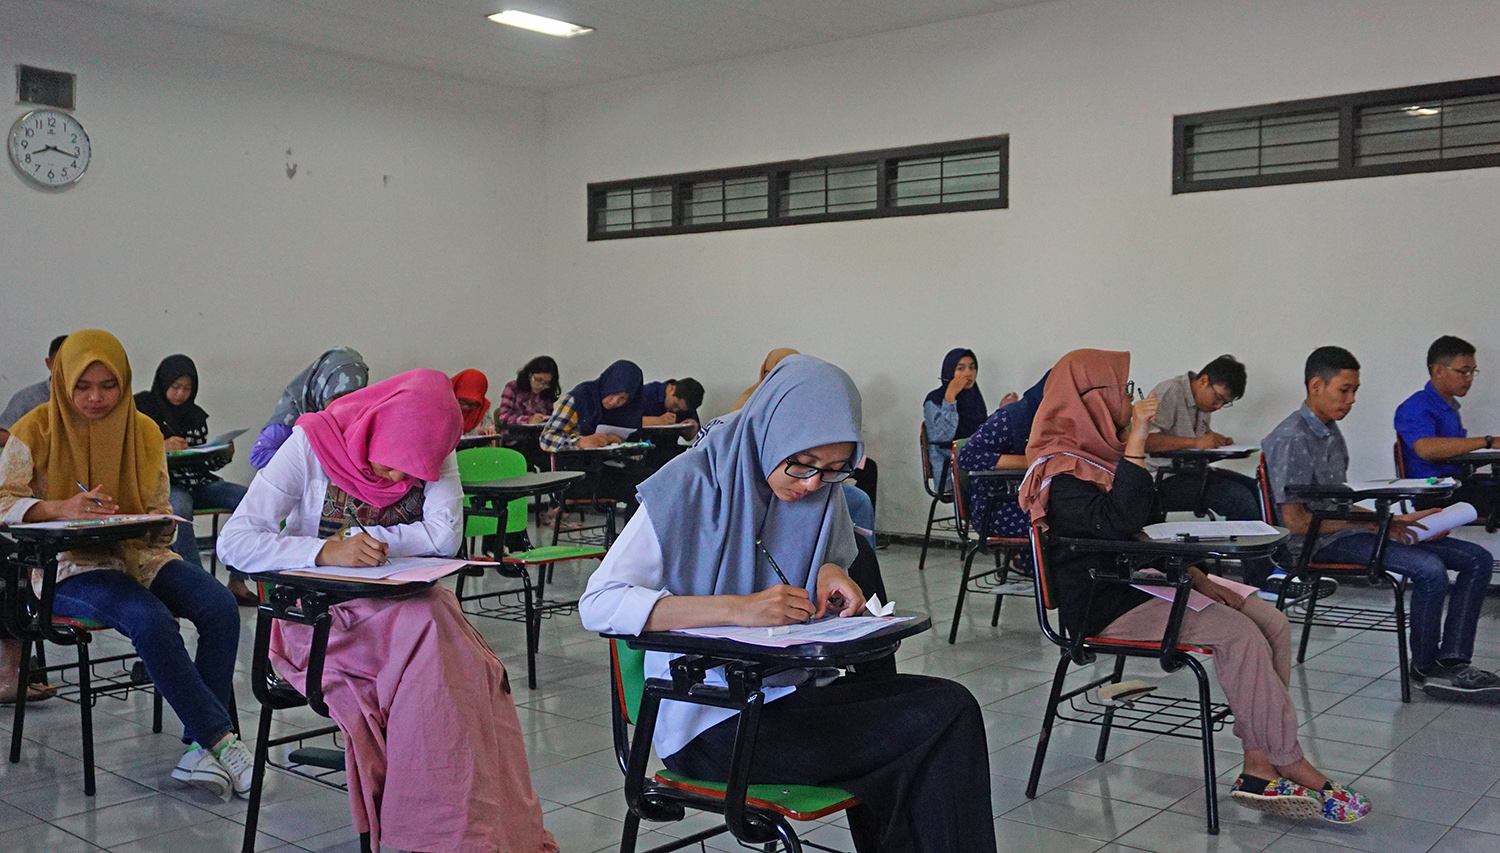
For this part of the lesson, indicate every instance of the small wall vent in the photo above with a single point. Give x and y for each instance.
(47, 88)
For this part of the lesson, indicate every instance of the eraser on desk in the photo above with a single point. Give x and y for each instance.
(778, 630)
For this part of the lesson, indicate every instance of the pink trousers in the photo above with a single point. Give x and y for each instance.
(436, 761)
(1252, 660)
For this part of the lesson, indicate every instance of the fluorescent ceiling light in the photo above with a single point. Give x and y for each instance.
(537, 23)
(1418, 110)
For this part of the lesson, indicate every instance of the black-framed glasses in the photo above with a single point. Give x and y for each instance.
(1131, 392)
(798, 471)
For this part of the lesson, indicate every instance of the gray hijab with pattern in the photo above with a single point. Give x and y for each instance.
(710, 505)
(334, 374)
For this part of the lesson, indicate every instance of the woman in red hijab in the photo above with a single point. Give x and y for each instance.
(436, 760)
(470, 386)
(1087, 478)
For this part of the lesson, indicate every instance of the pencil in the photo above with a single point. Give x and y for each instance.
(362, 529)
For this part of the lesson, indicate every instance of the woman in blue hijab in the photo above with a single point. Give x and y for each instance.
(911, 748)
(956, 408)
(1000, 442)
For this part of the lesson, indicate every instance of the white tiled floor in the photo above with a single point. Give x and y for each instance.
(1432, 769)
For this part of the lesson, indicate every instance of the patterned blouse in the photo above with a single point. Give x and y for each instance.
(20, 482)
(996, 437)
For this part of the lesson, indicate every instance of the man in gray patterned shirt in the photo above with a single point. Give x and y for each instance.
(1306, 449)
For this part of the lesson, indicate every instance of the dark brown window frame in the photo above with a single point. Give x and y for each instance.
(776, 173)
(1347, 107)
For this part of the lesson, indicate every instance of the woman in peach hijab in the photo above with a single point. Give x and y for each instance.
(1087, 479)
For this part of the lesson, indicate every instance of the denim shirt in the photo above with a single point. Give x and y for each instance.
(1427, 414)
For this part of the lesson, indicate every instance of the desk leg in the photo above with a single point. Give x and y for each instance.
(23, 683)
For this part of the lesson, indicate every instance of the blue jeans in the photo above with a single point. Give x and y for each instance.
(201, 691)
(220, 493)
(1426, 566)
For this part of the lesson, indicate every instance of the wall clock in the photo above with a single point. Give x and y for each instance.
(49, 148)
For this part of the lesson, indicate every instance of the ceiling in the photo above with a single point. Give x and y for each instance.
(632, 37)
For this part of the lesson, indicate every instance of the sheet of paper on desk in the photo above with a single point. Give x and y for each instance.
(1237, 448)
(833, 629)
(606, 429)
(1196, 600)
(1403, 483)
(398, 570)
(85, 523)
(1208, 529)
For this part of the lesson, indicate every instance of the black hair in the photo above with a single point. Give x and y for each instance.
(540, 364)
(1226, 370)
(1328, 362)
(1447, 348)
(688, 390)
(57, 343)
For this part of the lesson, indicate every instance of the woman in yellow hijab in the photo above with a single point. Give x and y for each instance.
(88, 453)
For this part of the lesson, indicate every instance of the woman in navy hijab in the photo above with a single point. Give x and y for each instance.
(700, 552)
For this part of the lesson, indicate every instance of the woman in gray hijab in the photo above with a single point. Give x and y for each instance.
(699, 553)
(335, 373)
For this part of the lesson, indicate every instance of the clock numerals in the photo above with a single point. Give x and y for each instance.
(50, 163)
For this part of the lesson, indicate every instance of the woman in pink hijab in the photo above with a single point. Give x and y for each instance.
(435, 757)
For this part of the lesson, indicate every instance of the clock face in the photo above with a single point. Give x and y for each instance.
(49, 148)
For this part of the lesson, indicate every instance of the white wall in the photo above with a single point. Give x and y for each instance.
(1093, 251)
(409, 230)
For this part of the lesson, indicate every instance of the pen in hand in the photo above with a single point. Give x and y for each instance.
(360, 524)
(86, 490)
(777, 569)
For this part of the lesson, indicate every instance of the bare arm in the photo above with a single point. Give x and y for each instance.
(779, 605)
(1434, 449)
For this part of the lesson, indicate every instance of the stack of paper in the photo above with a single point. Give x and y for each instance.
(830, 629)
(1208, 529)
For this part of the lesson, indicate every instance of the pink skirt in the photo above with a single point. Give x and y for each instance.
(436, 761)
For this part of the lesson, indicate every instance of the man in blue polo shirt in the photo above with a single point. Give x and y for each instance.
(1309, 448)
(1428, 423)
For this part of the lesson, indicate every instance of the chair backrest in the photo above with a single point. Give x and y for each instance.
(962, 485)
(630, 679)
(1399, 453)
(481, 464)
(1046, 584)
(1268, 512)
(928, 482)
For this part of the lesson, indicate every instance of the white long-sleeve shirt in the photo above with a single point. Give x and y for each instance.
(620, 596)
(293, 487)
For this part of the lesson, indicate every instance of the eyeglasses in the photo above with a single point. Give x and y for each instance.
(1224, 400)
(798, 471)
(1131, 392)
(1467, 374)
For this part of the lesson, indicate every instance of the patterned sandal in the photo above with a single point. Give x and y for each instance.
(1281, 797)
(1341, 805)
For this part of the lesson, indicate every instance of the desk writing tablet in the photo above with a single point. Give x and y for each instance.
(865, 648)
(1144, 546)
(524, 485)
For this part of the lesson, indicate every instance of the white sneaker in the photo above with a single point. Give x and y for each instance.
(238, 763)
(199, 768)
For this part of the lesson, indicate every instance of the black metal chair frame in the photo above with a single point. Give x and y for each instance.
(1391, 621)
(1006, 550)
(302, 606)
(28, 617)
(592, 464)
(534, 606)
(651, 800)
(1179, 717)
(932, 485)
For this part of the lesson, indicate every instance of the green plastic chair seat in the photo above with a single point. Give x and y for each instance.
(212, 510)
(555, 554)
(81, 623)
(798, 802)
